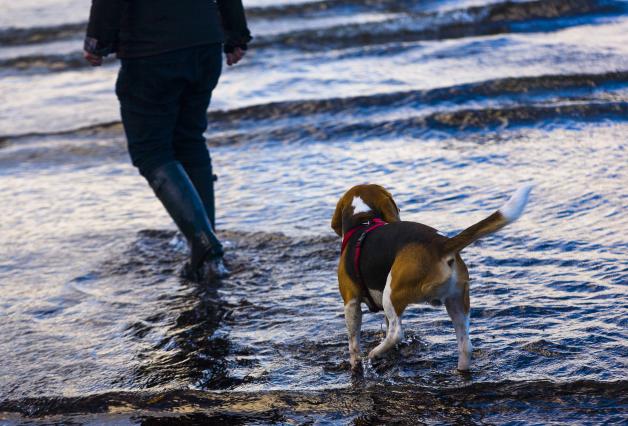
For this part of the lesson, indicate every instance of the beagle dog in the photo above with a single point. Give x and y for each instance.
(388, 264)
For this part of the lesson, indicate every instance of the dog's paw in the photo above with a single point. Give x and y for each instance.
(464, 367)
(464, 362)
(376, 353)
(356, 363)
(357, 368)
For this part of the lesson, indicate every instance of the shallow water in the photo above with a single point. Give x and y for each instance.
(450, 105)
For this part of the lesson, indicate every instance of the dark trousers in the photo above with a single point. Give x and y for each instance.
(163, 103)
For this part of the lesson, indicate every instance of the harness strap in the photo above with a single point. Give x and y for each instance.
(349, 234)
(365, 228)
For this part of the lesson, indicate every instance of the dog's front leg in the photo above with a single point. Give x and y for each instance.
(394, 332)
(458, 311)
(353, 318)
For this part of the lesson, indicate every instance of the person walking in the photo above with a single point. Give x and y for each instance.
(171, 59)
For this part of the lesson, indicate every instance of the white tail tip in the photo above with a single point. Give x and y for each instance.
(515, 205)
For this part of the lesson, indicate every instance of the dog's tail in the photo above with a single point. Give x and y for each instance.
(507, 213)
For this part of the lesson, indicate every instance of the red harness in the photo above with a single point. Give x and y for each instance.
(365, 228)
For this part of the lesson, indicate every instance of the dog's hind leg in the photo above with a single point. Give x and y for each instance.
(352, 298)
(458, 310)
(353, 319)
(394, 332)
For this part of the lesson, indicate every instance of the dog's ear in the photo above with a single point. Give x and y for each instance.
(336, 220)
(390, 211)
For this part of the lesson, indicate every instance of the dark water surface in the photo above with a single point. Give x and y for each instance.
(449, 104)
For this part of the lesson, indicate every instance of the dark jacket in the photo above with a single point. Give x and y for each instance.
(136, 28)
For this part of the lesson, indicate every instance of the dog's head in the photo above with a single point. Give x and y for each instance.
(362, 203)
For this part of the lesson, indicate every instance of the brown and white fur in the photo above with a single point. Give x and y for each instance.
(407, 262)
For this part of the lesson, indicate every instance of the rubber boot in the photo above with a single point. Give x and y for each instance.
(176, 192)
(203, 180)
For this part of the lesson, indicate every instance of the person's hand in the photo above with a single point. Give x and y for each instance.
(93, 59)
(235, 56)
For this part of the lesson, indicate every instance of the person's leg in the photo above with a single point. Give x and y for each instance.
(177, 193)
(149, 90)
(203, 179)
(189, 143)
(149, 105)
